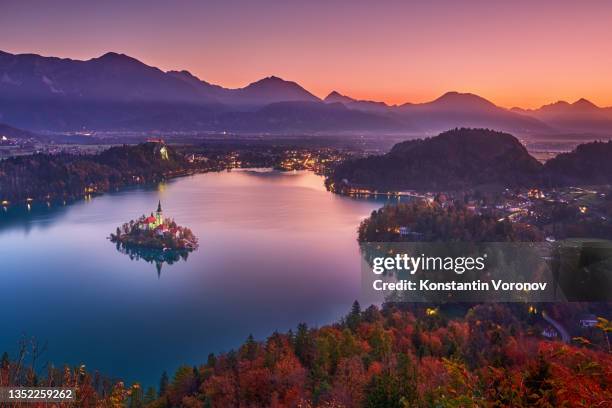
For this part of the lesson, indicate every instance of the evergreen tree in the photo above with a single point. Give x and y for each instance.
(304, 345)
(383, 391)
(163, 384)
(5, 360)
(250, 348)
(211, 362)
(291, 337)
(354, 317)
(372, 314)
(196, 378)
(150, 396)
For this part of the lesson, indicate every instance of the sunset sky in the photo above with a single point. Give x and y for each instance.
(515, 53)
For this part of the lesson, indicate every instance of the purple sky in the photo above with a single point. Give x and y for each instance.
(523, 53)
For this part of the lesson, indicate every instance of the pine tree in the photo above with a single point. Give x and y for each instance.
(251, 348)
(163, 384)
(354, 317)
(304, 345)
(5, 360)
(196, 378)
(150, 396)
(211, 362)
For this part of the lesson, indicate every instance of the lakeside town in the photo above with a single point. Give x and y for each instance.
(544, 207)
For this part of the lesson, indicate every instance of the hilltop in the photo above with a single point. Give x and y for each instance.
(588, 164)
(456, 159)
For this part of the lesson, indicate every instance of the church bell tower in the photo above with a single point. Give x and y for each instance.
(159, 216)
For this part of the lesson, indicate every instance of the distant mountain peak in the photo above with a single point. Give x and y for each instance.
(581, 104)
(560, 103)
(335, 96)
(188, 77)
(460, 99)
(454, 95)
(183, 73)
(269, 80)
(111, 54)
(275, 89)
(580, 116)
(584, 104)
(115, 57)
(450, 94)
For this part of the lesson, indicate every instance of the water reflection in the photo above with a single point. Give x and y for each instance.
(26, 217)
(158, 257)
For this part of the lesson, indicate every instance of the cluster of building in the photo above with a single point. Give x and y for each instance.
(156, 223)
(16, 147)
(537, 206)
(318, 160)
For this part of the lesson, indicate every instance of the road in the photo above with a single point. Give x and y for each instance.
(564, 334)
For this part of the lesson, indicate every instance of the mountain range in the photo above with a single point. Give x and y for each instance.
(118, 92)
(580, 116)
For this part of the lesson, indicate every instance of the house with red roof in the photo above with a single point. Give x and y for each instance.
(153, 221)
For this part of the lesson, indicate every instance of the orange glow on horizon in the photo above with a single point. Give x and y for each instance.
(518, 53)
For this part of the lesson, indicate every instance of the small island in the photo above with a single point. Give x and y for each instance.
(155, 232)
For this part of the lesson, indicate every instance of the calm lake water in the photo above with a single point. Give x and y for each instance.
(276, 249)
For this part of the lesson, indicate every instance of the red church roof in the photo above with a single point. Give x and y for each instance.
(149, 220)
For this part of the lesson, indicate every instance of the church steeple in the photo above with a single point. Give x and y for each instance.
(159, 218)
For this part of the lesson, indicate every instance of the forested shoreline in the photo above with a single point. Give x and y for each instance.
(397, 356)
(65, 177)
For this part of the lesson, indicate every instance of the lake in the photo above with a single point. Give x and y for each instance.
(275, 249)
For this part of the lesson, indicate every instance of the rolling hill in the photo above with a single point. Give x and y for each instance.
(456, 159)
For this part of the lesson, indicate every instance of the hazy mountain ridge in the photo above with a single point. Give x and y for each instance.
(118, 92)
(14, 133)
(454, 109)
(303, 116)
(579, 116)
(368, 106)
(265, 91)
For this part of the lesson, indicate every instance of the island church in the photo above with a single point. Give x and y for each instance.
(154, 220)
